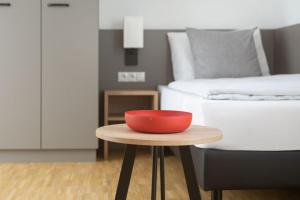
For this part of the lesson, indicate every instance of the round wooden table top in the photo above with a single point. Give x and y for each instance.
(195, 134)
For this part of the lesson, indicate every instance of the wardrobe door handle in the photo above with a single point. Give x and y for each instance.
(58, 5)
(5, 4)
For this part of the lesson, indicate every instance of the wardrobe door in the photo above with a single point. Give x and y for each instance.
(70, 74)
(20, 71)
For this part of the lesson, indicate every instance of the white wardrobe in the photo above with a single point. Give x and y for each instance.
(48, 80)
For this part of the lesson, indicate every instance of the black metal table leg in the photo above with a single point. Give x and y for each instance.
(188, 167)
(162, 173)
(189, 172)
(126, 171)
(154, 173)
(216, 195)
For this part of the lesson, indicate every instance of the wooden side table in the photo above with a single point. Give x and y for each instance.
(116, 102)
(194, 135)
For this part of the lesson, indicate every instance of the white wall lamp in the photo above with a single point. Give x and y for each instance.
(133, 38)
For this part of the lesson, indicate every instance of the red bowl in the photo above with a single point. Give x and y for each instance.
(158, 121)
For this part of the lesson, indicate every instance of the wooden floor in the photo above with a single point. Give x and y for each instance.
(89, 181)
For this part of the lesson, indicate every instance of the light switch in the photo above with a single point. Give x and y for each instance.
(140, 77)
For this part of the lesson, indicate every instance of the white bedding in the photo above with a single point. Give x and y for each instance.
(277, 87)
(246, 125)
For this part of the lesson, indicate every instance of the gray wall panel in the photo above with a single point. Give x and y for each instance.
(153, 59)
(287, 51)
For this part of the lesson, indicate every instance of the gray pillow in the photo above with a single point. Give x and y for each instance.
(221, 54)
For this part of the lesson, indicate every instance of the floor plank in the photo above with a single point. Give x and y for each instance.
(89, 181)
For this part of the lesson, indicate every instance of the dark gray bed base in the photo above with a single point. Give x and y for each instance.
(219, 170)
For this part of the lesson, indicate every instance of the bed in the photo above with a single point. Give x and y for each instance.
(259, 117)
(259, 149)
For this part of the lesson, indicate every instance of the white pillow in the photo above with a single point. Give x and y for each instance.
(182, 57)
(262, 59)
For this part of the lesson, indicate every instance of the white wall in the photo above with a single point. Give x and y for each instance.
(291, 13)
(177, 14)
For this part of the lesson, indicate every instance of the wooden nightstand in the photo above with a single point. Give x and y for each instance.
(117, 102)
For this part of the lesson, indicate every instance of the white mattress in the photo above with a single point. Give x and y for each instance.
(275, 87)
(246, 125)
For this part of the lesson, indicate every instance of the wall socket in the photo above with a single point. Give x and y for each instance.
(131, 77)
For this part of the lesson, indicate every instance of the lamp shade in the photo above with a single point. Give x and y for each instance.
(133, 32)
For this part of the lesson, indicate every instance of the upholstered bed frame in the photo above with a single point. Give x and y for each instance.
(219, 170)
